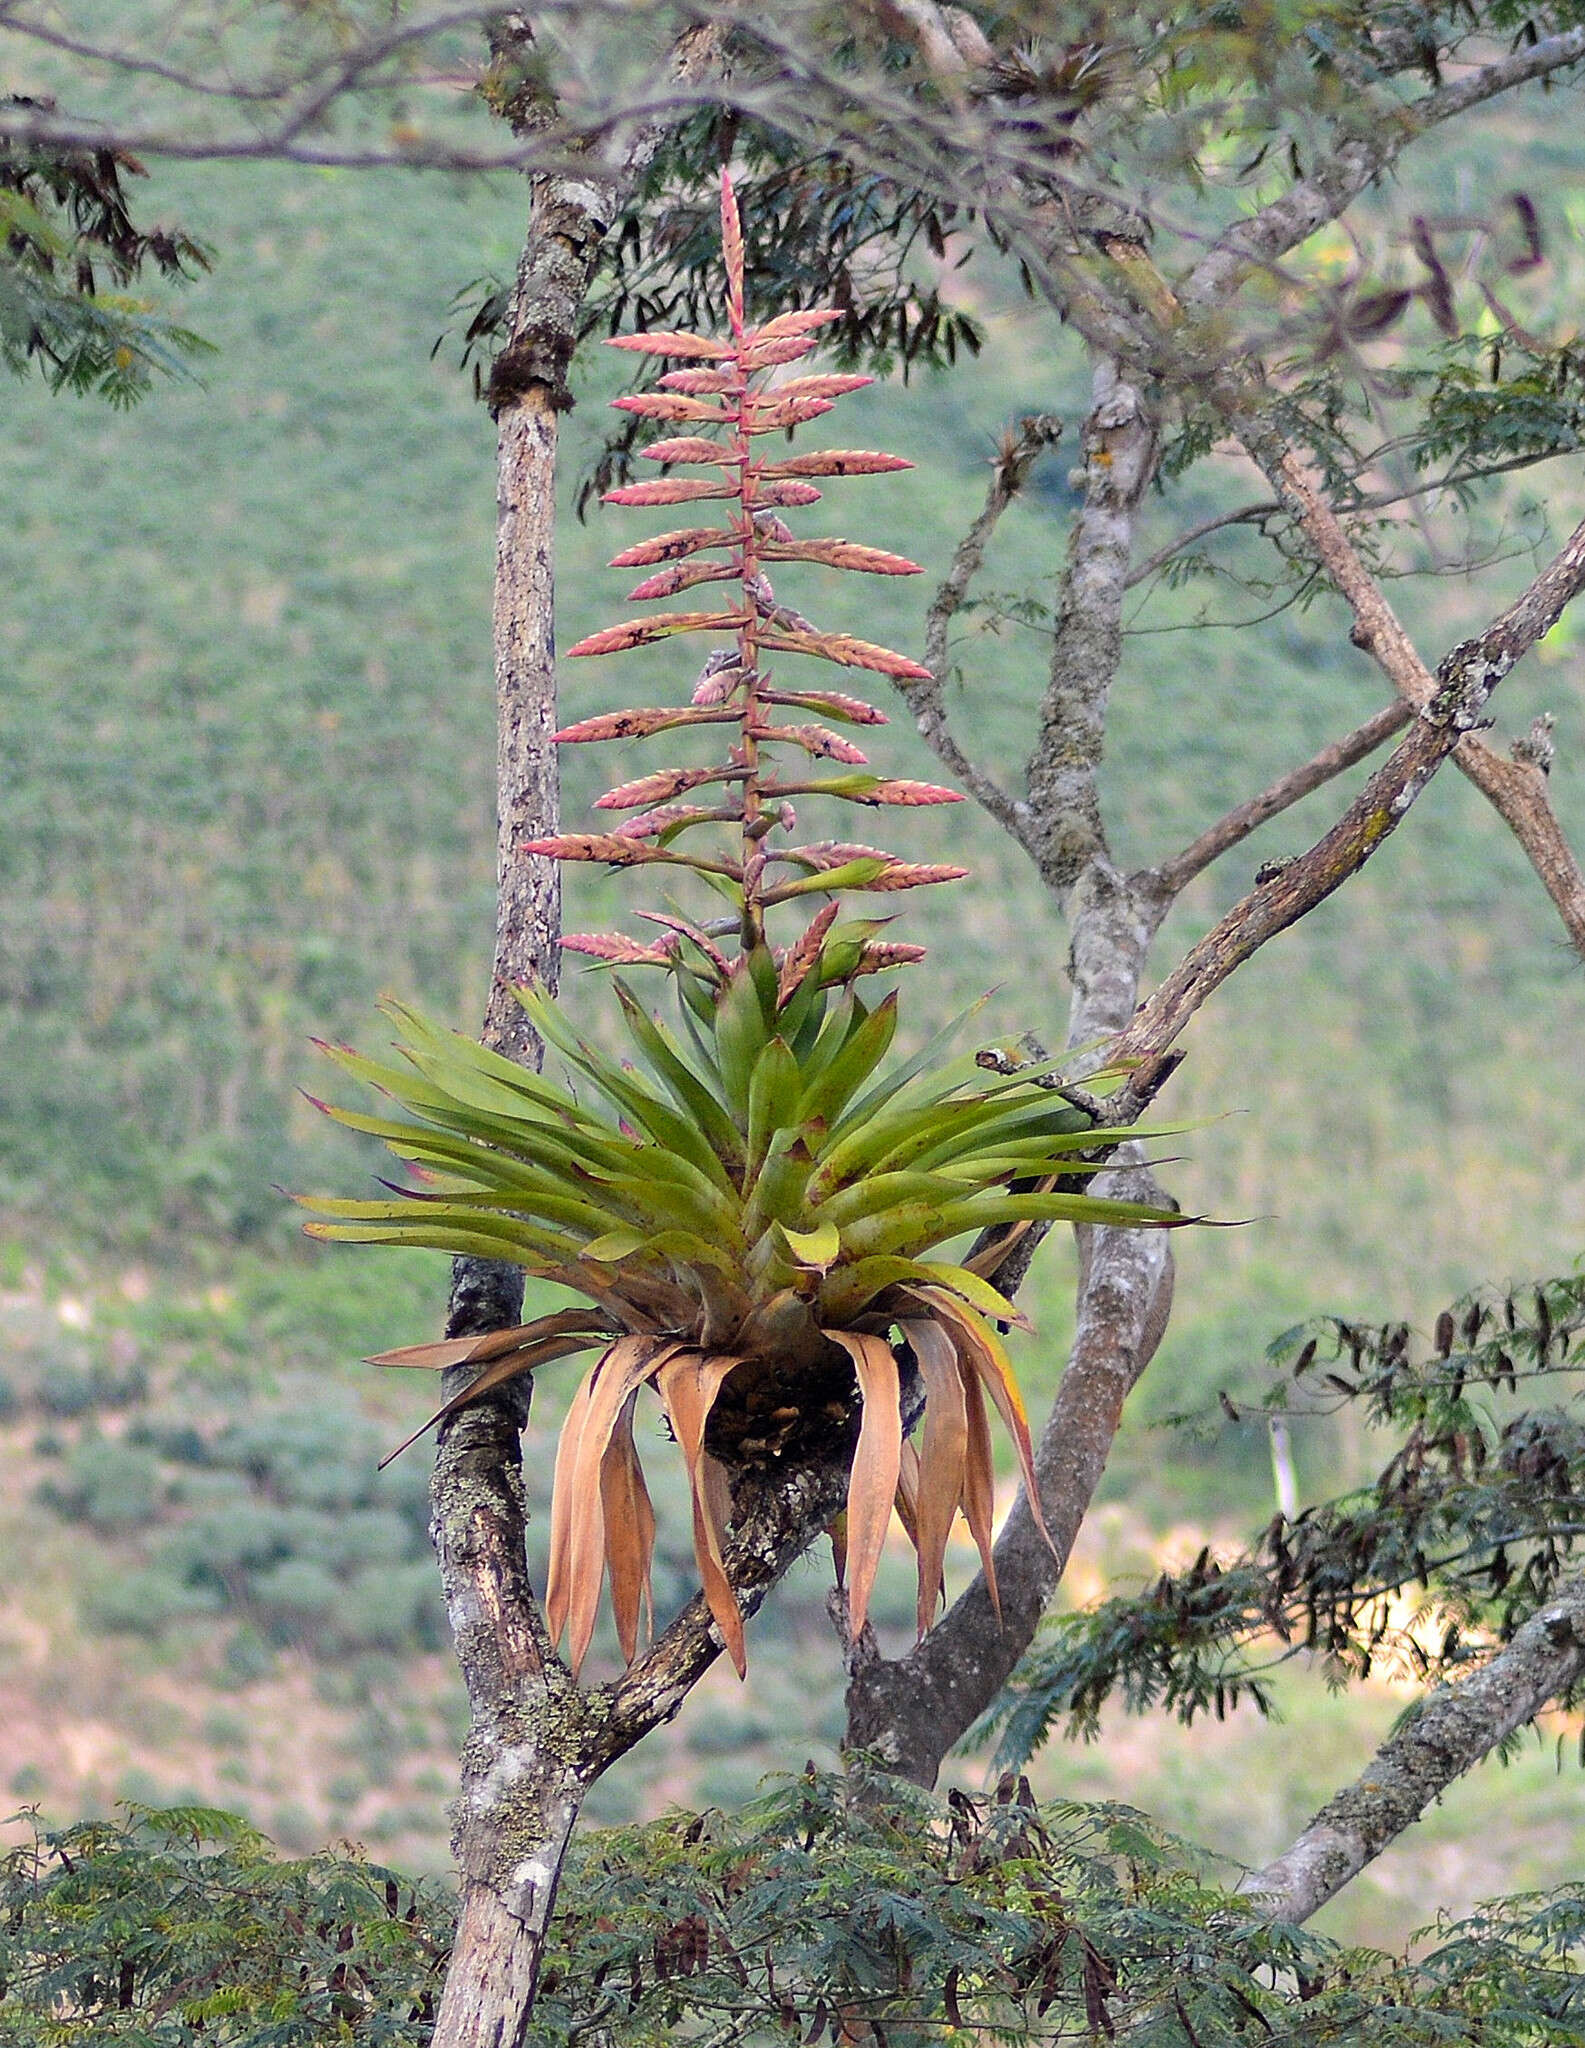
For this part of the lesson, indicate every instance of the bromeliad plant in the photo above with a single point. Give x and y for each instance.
(756, 1210)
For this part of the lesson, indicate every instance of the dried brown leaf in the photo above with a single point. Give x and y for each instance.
(629, 1362)
(908, 1491)
(877, 1461)
(979, 1484)
(629, 1532)
(688, 1385)
(980, 1349)
(558, 1580)
(495, 1375)
(943, 1450)
(495, 1344)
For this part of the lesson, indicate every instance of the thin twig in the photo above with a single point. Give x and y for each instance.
(1175, 874)
(1517, 791)
(1465, 680)
(926, 699)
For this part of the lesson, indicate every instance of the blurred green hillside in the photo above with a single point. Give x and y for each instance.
(246, 737)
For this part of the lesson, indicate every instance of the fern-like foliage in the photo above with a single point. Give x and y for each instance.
(1461, 1538)
(69, 247)
(833, 1908)
(760, 1203)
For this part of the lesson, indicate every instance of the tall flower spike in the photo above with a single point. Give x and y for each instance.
(728, 404)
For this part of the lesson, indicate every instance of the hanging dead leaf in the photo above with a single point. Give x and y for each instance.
(908, 1491)
(979, 1484)
(942, 1453)
(687, 1385)
(981, 1350)
(872, 1485)
(629, 1532)
(629, 1362)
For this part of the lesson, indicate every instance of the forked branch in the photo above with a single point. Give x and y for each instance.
(1464, 682)
(925, 698)
(1174, 875)
(1454, 1730)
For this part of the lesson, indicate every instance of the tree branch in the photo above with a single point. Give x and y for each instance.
(1321, 196)
(1174, 875)
(1451, 1733)
(926, 698)
(1464, 682)
(1064, 804)
(912, 1710)
(776, 1516)
(1517, 792)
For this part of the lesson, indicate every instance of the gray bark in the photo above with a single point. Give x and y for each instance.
(1064, 812)
(1452, 1732)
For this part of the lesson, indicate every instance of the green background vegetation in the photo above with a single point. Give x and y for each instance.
(247, 747)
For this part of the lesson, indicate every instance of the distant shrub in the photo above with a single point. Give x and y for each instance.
(184, 1925)
(111, 1485)
(283, 1520)
(180, 1442)
(68, 1388)
(146, 1602)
